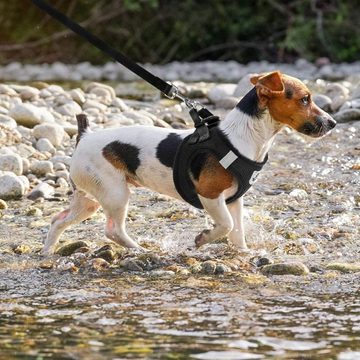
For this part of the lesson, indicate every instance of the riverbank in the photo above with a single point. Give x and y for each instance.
(294, 294)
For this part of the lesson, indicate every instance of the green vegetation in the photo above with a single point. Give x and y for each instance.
(160, 31)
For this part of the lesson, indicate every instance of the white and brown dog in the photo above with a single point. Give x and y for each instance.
(106, 162)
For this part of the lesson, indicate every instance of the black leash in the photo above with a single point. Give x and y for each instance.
(207, 137)
(171, 91)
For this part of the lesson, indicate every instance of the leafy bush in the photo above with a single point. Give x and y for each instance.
(160, 31)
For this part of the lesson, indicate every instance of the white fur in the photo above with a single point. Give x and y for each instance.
(100, 183)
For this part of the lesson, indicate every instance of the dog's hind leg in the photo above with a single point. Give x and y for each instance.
(223, 222)
(237, 234)
(115, 205)
(81, 208)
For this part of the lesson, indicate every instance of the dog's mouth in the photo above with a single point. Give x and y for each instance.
(319, 128)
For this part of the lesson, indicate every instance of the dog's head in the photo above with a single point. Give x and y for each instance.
(289, 102)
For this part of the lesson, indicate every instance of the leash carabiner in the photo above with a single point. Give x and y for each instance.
(174, 93)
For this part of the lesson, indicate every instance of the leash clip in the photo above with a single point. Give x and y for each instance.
(174, 93)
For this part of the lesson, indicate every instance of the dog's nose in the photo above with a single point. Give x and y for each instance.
(331, 123)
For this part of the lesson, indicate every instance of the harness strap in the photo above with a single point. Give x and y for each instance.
(244, 170)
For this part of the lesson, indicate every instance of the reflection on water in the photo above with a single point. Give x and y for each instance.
(201, 318)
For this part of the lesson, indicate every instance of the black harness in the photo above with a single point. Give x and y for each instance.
(209, 139)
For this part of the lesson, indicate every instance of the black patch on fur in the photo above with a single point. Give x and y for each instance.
(249, 104)
(166, 150)
(289, 93)
(123, 153)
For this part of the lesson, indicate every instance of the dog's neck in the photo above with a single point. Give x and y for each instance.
(250, 130)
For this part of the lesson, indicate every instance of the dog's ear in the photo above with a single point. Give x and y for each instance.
(267, 86)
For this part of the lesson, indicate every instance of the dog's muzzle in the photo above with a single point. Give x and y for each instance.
(320, 127)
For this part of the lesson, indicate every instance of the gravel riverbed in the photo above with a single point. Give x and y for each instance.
(302, 215)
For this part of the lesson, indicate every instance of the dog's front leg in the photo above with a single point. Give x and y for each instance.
(237, 234)
(223, 222)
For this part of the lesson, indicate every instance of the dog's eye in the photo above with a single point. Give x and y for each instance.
(305, 100)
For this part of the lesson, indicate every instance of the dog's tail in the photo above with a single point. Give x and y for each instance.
(83, 125)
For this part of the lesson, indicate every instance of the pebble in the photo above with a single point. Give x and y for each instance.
(298, 194)
(219, 92)
(291, 268)
(263, 261)
(69, 249)
(30, 115)
(71, 108)
(323, 101)
(34, 211)
(131, 265)
(99, 264)
(164, 274)
(338, 95)
(11, 187)
(11, 162)
(344, 267)
(42, 190)
(3, 205)
(22, 249)
(106, 253)
(7, 121)
(347, 115)
(53, 132)
(44, 145)
(41, 167)
(208, 267)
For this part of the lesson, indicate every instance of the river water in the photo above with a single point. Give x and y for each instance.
(124, 316)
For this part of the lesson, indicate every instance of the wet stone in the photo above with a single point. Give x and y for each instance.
(69, 249)
(263, 261)
(99, 264)
(344, 267)
(131, 265)
(291, 268)
(3, 205)
(162, 274)
(107, 255)
(22, 249)
(34, 211)
(46, 264)
(222, 269)
(208, 267)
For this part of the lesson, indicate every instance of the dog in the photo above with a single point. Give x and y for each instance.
(104, 163)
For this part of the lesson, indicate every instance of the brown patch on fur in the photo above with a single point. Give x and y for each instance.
(115, 161)
(119, 164)
(213, 179)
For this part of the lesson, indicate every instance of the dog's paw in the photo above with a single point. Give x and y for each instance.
(202, 238)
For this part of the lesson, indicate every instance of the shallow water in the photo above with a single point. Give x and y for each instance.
(60, 314)
(134, 317)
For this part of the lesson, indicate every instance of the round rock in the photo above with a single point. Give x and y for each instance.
(53, 132)
(347, 115)
(43, 190)
(11, 187)
(292, 268)
(41, 167)
(44, 144)
(30, 115)
(11, 162)
(8, 122)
